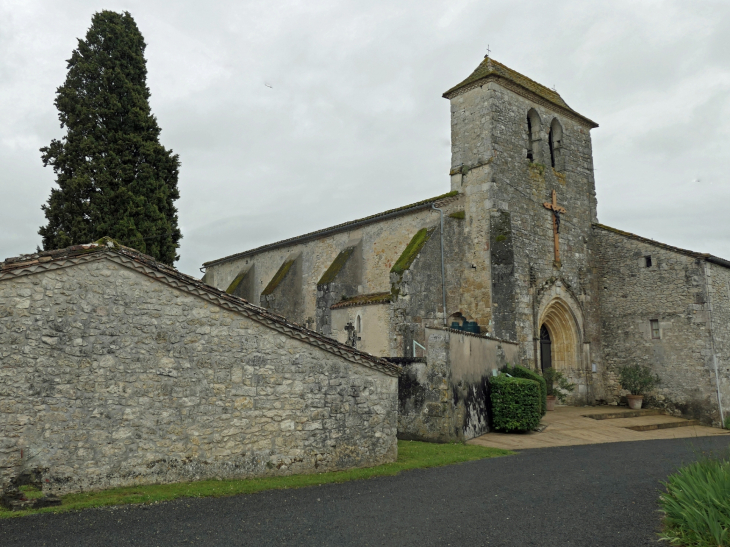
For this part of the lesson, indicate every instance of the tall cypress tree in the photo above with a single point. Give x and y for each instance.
(115, 178)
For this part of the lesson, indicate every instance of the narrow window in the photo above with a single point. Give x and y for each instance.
(359, 324)
(555, 142)
(533, 136)
(655, 329)
(647, 261)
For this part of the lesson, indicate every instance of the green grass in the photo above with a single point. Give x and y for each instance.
(411, 455)
(696, 504)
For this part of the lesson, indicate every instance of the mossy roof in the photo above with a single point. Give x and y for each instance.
(411, 251)
(489, 68)
(364, 300)
(31, 264)
(336, 267)
(405, 210)
(278, 277)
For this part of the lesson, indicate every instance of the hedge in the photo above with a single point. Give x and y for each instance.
(522, 372)
(515, 403)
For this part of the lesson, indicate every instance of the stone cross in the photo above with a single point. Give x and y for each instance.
(557, 210)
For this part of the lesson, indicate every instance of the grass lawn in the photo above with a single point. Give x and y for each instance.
(411, 455)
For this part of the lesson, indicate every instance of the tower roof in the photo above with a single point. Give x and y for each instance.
(489, 69)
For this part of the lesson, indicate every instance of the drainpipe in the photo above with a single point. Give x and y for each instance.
(712, 345)
(443, 275)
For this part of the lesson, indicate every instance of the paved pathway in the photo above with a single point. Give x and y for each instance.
(580, 496)
(568, 426)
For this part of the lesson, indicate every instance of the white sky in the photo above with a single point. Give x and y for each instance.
(355, 123)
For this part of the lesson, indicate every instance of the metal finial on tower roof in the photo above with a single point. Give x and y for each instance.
(488, 52)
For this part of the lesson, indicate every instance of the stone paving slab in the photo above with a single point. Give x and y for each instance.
(569, 426)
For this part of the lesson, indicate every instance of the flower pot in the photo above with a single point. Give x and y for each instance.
(634, 401)
(551, 402)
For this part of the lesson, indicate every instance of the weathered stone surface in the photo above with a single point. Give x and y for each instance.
(111, 377)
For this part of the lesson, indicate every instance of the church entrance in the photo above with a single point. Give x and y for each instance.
(559, 337)
(545, 351)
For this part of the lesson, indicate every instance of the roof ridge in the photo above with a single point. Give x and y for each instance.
(339, 227)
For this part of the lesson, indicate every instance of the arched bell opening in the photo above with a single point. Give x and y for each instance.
(559, 338)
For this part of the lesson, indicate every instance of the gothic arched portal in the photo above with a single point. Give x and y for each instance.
(559, 337)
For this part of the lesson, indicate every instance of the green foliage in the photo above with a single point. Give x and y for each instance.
(537, 169)
(727, 422)
(411, 455)
(521, 372)
(637, 379)
(459, 215)
(411, 251)
(696, 505)
(515, 403)
(557, 384)
(114, 177)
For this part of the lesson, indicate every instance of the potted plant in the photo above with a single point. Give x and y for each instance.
(557, 386)
(637, 379)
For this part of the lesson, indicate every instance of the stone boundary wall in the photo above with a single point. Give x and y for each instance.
(109, 377)
(445, 398)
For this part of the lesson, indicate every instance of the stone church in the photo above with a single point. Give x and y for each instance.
(511, 265)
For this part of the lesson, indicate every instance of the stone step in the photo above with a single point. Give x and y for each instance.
(665, 425)
(625, 414)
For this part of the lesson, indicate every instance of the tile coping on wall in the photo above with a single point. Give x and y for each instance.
(125, 256)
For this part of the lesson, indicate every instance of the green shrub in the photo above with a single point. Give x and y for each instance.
(521, 372)
(696, 505)
(515, 403)
(557, 384)
(637, 379)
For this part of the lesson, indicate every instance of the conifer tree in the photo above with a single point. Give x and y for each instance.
(114, 177)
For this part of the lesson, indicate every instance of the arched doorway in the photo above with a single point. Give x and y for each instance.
(559, 337)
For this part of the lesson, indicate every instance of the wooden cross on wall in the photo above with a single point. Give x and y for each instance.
(557, 210)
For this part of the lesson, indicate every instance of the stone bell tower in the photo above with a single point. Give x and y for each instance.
(522, 157)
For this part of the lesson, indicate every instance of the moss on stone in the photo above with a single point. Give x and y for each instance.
(336, 267)
(236, 282)
(560, 176)
(411, 251)
(537, 170)
(278, 278)
(461, 215)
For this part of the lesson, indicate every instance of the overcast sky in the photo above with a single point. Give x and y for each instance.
(354, 122)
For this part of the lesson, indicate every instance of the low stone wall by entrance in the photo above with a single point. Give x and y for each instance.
(444, 396)
(115, 371)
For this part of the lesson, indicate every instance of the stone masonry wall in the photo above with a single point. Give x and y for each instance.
(673, 292)
(489, 156)
(109, 377)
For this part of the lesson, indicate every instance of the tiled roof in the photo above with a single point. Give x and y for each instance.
(405, 210)
(686, 252)
(108, 248)
(364, 300)
(491, 69)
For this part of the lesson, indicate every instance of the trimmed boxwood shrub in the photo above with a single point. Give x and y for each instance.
(515, 403)
(522, 372)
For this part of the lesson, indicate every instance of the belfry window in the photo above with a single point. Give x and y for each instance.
(533, 136)
(647, 261)
(555, 141)
(359, 324)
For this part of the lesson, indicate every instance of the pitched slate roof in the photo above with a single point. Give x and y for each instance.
(694, 254)
(405, 210)
(110, 249)
(489, 69)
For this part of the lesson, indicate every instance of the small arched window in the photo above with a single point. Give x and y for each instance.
(555, 140)
(359, 324)
(534, 127)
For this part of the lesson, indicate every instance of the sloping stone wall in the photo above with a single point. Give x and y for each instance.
(109, 377)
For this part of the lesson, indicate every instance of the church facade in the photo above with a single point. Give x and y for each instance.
(511, 265)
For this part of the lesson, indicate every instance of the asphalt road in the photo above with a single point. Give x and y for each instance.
(595, 495)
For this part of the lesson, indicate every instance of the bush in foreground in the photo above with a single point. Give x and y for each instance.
(519, 371)
(696, 504)
(515, 403)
